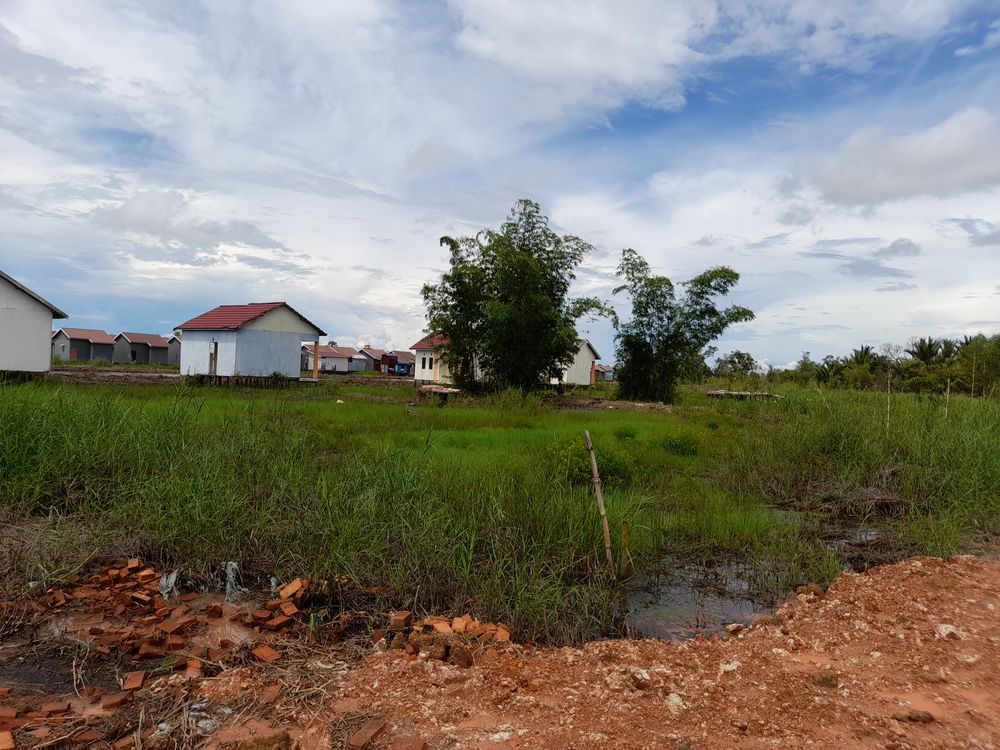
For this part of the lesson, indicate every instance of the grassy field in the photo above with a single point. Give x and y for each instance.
(483, 506)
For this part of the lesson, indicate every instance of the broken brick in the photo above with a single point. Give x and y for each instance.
(7, 712)
(502, 634)
(173, 643)
(172, 626)
(7, 741)
(124, 743)
(265, 653)
(260, 615)
(363, 737)
(277, 623)
(56, 707)
(274, 604)
(400, 620)
(214, 611)
(288, 608)
(270, 693)
(179, 611)
(149, 651)
(134, 680)
(189, 597)
(442, 627)
(408, 743)
(88, 737)
(115, 700)
(291, 589)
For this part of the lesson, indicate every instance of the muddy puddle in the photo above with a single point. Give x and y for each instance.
(685, 599)
(689, 600)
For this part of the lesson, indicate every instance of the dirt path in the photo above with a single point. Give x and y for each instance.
(905, 656)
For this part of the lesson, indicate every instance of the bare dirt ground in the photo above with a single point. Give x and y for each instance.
(904, 656)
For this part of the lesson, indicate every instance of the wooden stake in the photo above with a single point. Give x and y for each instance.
(947, 396)
(316, 361)
(888, 392)
(600, 503)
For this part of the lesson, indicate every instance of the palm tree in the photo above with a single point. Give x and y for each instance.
(949, 350)
(925, 350)
(864, 355)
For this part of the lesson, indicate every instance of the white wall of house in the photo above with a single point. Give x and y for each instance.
(280, 319)
(196, 349)
(262, 353)
(329, 364)
(431, 367)
(579, 372)
(25, 331)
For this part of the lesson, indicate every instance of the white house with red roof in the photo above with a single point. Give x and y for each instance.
(429, 365)
(333, 358)
(258, 339)
(25, 327)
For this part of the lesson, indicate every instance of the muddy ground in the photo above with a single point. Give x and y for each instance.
(904, 656)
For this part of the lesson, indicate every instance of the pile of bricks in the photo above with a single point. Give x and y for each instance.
(441, 638)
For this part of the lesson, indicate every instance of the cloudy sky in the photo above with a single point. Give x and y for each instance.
(162, 158)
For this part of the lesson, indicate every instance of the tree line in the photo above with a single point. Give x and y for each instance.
(925, 365)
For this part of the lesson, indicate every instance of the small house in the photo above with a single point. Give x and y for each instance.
(25, 327)
(428, 365)
(378, 360)
(604, 373)
(332, 358)
(258, 339)
(140, 349)
(583, 369)
(405, 362)
(83, 344)
(174, 349)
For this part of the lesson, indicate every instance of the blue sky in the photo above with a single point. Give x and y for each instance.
(160, 159)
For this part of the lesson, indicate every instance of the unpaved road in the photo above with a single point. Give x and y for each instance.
(904, 656)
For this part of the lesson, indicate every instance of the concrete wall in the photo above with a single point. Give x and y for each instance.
(578, 373)
(174, 352)
(25, 331)
(196, 348)
(158, 355)
(280, 319)
(266, 352)
(424, 368)
(61, 346)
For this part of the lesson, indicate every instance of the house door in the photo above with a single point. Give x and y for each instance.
(213, 357)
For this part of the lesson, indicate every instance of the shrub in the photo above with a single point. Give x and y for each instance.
(570, 461)
(681, 444)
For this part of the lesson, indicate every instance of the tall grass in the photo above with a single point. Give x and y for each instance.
(482, 506)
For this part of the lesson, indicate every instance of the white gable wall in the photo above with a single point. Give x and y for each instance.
(578, 373)
(195, 351)
(281, 319)
(25, 331)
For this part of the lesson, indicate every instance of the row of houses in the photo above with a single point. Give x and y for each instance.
(256, 339)
(333, 358)
(72, 344)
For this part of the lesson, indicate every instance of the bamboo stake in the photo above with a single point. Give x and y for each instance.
(888, 393)
(600, 503)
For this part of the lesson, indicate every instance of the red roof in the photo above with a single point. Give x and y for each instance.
(93, 335)
(150, 339)
(233, 317)
(408, 358)
(374, 353)
(431, 341)
(338, 352)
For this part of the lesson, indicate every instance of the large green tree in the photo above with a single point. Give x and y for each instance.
(504, 303)
(667, 328)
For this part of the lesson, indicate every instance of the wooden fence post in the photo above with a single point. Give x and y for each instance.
(600, 503)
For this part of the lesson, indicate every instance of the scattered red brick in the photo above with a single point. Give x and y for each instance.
(134, 680)
(408, 743)
(400, 620)
(115, 700)
(364, 736)
(54, 708)
(265, 653)
(291, 589)
(270, 694)
(7, 741)
(8, 712)
(277, 623)
(88, 737)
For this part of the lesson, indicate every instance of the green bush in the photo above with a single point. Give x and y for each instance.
(570, 461)
(680, 444)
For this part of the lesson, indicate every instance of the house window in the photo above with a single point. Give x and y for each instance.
(423, 363)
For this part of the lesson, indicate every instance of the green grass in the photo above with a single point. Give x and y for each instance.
(484, 505)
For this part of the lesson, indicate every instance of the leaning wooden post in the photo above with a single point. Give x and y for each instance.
(600, 503)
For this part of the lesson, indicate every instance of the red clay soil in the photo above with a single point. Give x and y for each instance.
(904, 656)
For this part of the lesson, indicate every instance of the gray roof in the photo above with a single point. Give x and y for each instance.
(56, 312)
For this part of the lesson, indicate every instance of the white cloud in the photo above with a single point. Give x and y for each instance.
(959, 155)
(990, 41)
